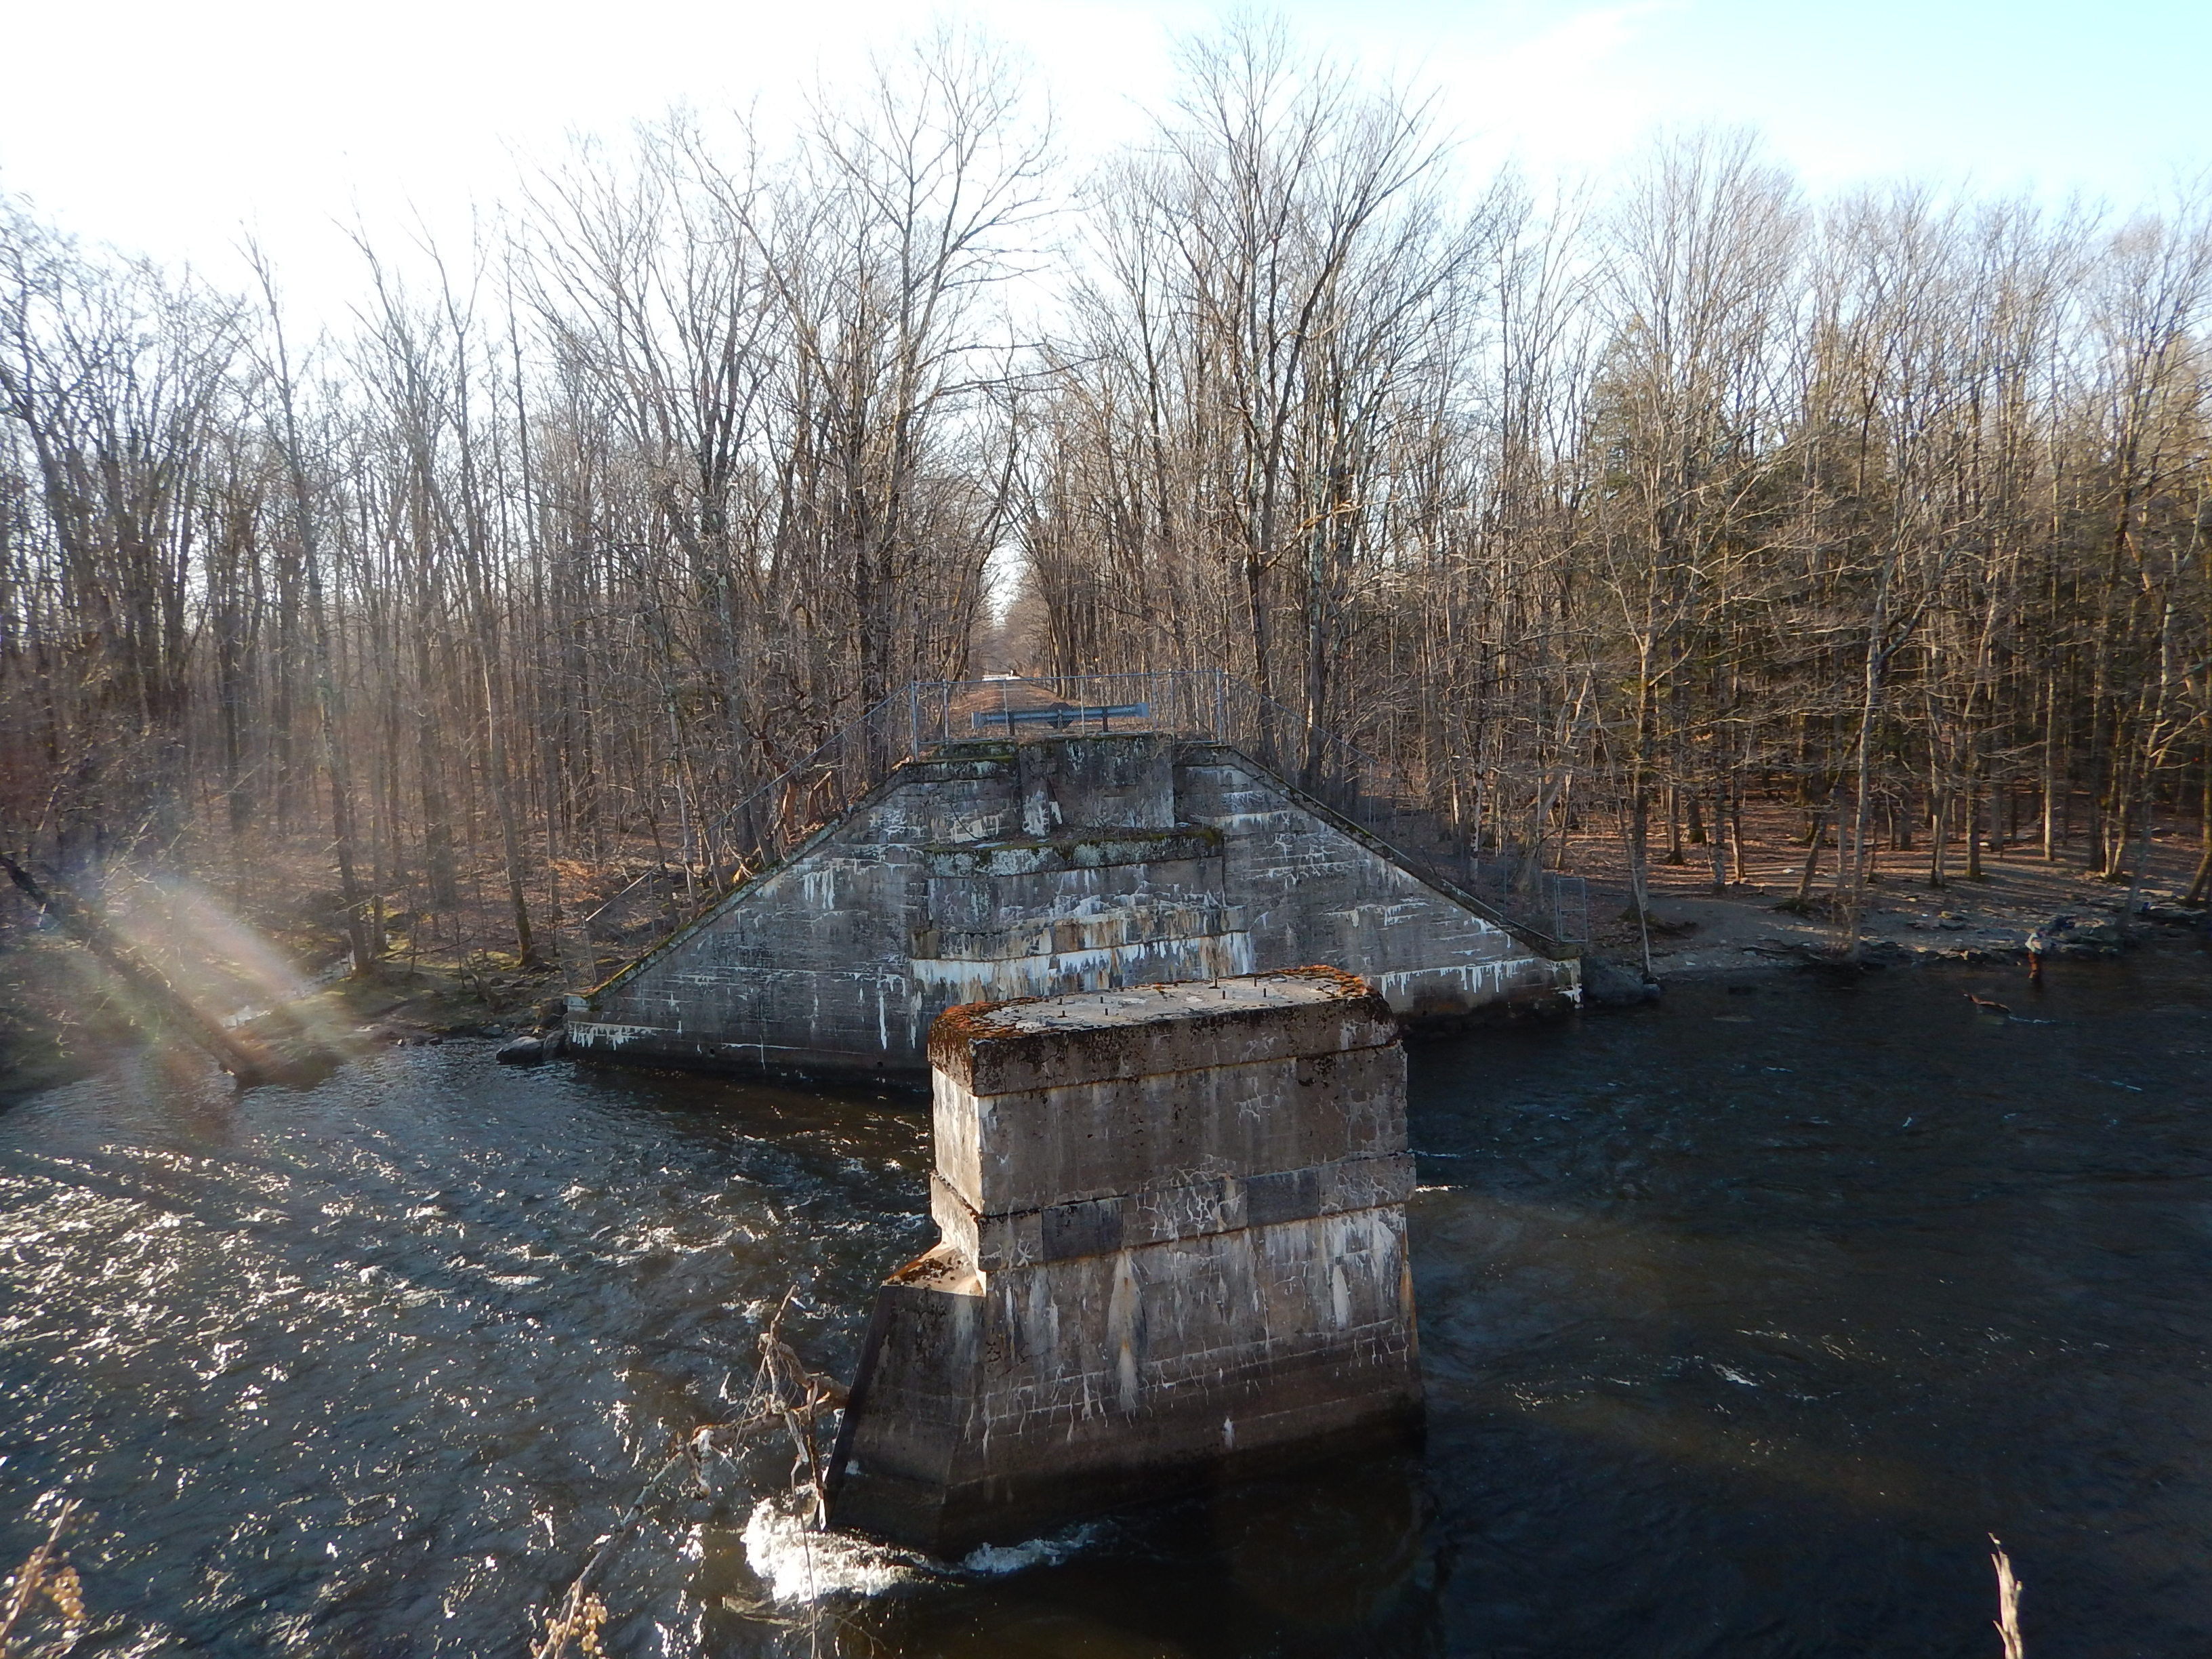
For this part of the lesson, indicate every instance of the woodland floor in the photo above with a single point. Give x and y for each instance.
(1697, 931)
(262, 947)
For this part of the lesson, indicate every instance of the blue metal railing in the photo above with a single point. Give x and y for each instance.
(1064, 717)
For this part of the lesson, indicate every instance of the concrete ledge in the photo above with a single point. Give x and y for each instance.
(996, 1049)
(963, 764)
(1166, 1211)
(1141, 919)
(1039, 1147)
(1093, 849)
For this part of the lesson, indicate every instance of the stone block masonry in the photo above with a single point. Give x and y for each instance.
(1173, 1242)
(988, 871)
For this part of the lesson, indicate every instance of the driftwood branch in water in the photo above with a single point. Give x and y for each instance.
(86, 927)
(785, 1393)
(47, 1573)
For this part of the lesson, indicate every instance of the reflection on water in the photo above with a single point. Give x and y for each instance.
(1744, 1319)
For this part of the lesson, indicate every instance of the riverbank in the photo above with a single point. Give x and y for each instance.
(262, 950)
(1701, 934)
(68, 1026)
(60, 1020)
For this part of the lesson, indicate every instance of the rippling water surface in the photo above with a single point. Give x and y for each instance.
(1744, 1319)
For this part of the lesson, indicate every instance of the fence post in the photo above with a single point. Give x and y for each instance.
(914, 720)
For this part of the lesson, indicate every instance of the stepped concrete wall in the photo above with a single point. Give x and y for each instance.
(1173, 1238)
(991, 871)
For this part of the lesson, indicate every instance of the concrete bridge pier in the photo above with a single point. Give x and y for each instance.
(1172, 1241)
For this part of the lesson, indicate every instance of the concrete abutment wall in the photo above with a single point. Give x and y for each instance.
(995, 870)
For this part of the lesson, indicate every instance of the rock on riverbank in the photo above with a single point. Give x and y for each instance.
(2055, 913)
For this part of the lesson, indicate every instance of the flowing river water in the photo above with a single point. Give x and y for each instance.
(1745, 1319)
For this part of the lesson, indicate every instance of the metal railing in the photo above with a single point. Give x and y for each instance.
(1551, 901)
(1042, 706)
(1368, 790)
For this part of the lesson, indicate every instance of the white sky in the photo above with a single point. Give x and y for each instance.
(165, 128)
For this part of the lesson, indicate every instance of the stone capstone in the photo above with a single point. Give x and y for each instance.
(1172, 1241)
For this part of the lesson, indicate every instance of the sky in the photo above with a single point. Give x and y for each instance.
(176, 128)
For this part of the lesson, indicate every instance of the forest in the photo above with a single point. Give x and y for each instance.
(1622, 505)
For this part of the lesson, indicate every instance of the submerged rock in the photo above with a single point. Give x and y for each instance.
(2071, 937)
(2172, 913)
(1609, 985)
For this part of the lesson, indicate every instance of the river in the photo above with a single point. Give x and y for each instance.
(1746, 1318)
